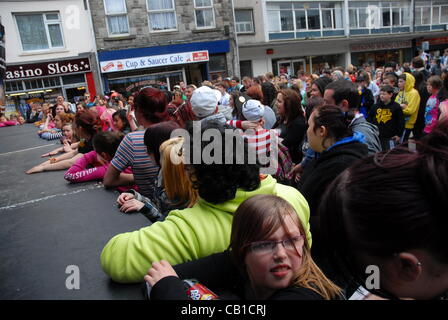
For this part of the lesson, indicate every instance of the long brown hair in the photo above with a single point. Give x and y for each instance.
(293, 107)
(260, 216)
(175, 179)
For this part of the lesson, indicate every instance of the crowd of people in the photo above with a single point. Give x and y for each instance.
(361, 179)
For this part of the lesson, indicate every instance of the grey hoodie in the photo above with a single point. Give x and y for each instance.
(370, 132)
(219, 117)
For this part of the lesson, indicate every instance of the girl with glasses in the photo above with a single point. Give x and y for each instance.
(269, 258)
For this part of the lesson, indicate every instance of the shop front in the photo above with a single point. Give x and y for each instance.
(378, 53)
(436, 46)
(127, 71)
(309, 64)
(45, 81)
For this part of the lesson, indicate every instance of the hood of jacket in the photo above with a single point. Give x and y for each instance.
(354, 148)
(410, 82)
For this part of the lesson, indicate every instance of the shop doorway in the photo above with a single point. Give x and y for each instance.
(74, 93)
(291, 67)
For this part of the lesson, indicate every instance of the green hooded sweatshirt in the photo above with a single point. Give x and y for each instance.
(411, 97)
(188, 234)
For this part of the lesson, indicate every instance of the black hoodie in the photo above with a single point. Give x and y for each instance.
(318, 175)
(389, 119)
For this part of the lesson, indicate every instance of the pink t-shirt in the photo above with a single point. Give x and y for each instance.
(79, 172)
(8, 123)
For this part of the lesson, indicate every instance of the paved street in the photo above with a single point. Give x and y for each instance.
(47, 224)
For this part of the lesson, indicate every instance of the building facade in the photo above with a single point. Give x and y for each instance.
(163, 42)
(49, 51)
(286, 36)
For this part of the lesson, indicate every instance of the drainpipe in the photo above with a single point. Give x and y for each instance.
(95, 50)
(348, 54)
(236, 55)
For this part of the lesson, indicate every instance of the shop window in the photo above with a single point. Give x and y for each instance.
(41, 31)
(156, 80)
(205, 15)
(117, 18)
(217, 66)
(246, 68)
(12, 86)
(162, 15)
(244, 20)
(51, 82)
(33, 84)
(75, 78)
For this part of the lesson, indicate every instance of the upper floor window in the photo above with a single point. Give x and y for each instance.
(40, 31)
(162, 15)
(244, 21)
(117, 18)
(431, 12)
(304, 16)
(379, 14)
(205, 15)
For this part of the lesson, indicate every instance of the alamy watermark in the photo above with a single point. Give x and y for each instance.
(74, 279)
(373, 280)
(373, 17)
(227, 149)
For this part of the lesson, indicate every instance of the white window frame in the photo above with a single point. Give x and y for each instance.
(161, 11)
(47, 31)
(245, 22)
(125, 13)
(305, 10)
(432, 6)
(212, 7)
(390, 7)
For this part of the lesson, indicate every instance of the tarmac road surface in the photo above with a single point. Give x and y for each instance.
(48, 225)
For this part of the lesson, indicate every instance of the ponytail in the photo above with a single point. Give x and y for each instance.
(88, 121)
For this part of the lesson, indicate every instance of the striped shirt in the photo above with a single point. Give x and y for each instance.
(51, 135)
(261, 140)
(132, 153)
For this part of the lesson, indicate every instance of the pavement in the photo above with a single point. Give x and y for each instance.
(51, 229)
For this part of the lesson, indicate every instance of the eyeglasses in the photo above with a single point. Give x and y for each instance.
(263, 247)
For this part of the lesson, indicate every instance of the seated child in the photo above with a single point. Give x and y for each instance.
(14, 120)
(93, 165)
(68, 139)
(86, 126)
(173, 190)
(59, 121)
(120, 121)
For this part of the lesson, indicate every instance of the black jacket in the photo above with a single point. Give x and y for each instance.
(293, 136)
(318, 175)
(219, 274)
(389, 119)
(367, 100)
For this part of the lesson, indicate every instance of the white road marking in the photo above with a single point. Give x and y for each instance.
(21, 204)
(45, 145)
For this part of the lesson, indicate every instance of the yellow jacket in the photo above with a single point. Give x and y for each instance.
(411, 97)
(188, 234)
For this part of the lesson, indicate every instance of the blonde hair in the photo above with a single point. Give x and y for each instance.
(176, 182)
